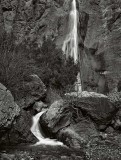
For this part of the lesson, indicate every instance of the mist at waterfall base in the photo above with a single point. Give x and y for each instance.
(37, 132)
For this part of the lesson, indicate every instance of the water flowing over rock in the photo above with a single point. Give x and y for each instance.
(37, 132)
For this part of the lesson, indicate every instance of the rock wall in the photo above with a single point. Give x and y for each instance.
(101, 64)
(33, 20)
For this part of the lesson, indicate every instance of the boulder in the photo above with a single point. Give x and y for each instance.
(54, 119)
(38, 106)
(100, 110)
(35, 90)
(78, 135)
(20, 130)
(9, 110)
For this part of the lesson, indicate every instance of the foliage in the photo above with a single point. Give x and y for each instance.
(55, 70)
(14, 66)
(16, 62)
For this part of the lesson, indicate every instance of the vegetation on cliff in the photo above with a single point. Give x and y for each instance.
(17, 62)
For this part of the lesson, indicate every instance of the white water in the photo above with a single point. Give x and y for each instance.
(70, 45)
(37, 132)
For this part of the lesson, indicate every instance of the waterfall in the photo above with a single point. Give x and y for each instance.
(37, 132)
(70, 45)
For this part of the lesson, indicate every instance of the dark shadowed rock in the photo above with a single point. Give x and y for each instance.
(20, 130)
(100, 110)
(78, 135)
(35, 90)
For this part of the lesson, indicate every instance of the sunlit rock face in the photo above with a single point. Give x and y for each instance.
(101, 66)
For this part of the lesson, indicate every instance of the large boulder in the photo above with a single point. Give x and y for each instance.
(9, 110)
(76, 121)
(20, 130)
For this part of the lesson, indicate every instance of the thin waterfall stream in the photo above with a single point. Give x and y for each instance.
(70, 45)
(37, 132)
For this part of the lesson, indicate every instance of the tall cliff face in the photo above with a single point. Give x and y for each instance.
(33, 20)
(99, 30)
(101, 65)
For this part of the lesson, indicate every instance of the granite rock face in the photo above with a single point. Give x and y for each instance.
(101, 66)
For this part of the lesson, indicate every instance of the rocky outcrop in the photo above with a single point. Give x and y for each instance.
(76, 121)
(9, 110)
